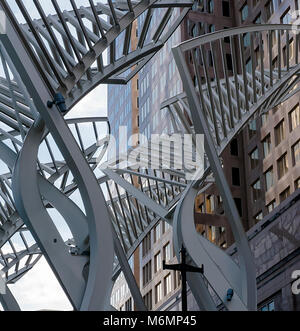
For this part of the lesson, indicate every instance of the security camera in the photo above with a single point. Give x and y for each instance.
(229, 294)
(59, 101)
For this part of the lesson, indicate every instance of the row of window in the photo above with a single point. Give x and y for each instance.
(144, 85)
(119, 294)
(270, 8)
(280, 129)
(161, 289)
(119, 96)
(145, 109)
(167, 283)
(282, 165)
(208, 7)
(208, 58)
(270, 306)
(159, 88)
(158, 258)
(287, 57)
(282, 196)
(157, 232)
(256, 189)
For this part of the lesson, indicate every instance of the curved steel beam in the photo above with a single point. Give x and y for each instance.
(8, 301)
(69, 67)
(67, 268)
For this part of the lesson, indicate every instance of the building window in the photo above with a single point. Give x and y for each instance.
(226, 8)
(167, 284)
(201, 208)
(158, 293)
(244, 12)
(157, 232)
(267, 146)
(236, 177)
(271, 206)
(194, 33)
(297, 183)
(167, 226)
(234, 148)
(264, 118)
(128, 305)
(282, 166)
(146, 244)
(177, 279)
(157, 262)
(238, 203)
(286, 18)
(210, 204)
(256, 191)
(147, 273)
(148, 300)
(269, 9)
(269, 177)
(229, 62)
(246, 39)
(210, 6)
(273, 37)
(258, 217)
(270, 306)
(279, 133)
(294, 118)
(284, 195)
(254, 158)
(249, 65)
(211, 28)
(291, 52)
(163, 227)
(258, 19)
(275, 62)
(167, 252)
(296, 153)
(223, 245)
(252, 128)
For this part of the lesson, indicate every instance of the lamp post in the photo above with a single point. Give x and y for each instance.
(183, 268)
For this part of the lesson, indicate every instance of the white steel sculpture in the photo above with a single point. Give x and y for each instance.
(47, 56)
(61, 55)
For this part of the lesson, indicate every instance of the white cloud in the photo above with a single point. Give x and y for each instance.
(94, 104)
(39, 290)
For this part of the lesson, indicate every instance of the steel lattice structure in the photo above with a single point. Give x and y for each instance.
(62, 52)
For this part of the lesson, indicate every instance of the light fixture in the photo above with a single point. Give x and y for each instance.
(229, 294)
(59, 101)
